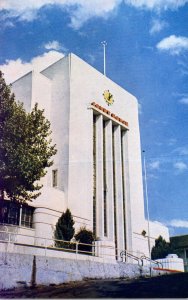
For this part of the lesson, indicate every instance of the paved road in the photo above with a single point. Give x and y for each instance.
(166, 286)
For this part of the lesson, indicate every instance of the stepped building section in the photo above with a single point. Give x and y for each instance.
(97, 171)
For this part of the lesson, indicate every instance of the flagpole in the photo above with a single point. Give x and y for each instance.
(147, 205)
(104, 43)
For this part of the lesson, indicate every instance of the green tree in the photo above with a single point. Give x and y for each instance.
(161, 248)
(64, 229)
(25, 147)
(85, 236)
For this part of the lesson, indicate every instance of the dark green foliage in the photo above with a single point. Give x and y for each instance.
(178, 243)
(64, 229)
(85, 236)
(25, 147)
(161, 248)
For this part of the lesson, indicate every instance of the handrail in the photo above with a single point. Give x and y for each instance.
(44, 243)
(50, 243)
(144, 257)
(45, 239)
(127, 254)
(139, 259)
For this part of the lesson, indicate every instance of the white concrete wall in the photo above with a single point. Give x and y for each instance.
(52, 96)
(66, 90)
(174, 263)
(23, 90)
(58, 73)
(18, 234)
(25, 235)
(88, 85)
(17, 266)
(157, 229)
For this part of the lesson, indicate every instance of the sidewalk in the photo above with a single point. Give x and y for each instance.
(166, 286)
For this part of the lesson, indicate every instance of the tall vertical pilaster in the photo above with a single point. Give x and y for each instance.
(127, 192)
(109, 181)
(99, 178)
(119, 189)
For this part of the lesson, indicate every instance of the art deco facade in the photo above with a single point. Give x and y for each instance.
(97, 171)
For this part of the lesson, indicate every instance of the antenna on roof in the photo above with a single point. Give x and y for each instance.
(104, 43)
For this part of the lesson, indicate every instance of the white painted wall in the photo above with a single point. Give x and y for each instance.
(57, 267)
(88, 85)
(23, 90)
(172, 262)
(66, 90)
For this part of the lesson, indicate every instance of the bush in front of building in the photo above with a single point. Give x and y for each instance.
(64, 230)
(85, 236)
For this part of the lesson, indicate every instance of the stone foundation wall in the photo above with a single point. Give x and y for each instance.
(21, 265)
(24, 269)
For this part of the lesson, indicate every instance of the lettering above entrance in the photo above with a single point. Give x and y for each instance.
(107, 112)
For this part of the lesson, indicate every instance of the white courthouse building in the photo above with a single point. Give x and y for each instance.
(97, 171)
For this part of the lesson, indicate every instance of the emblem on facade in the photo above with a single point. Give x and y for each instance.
(108, 97)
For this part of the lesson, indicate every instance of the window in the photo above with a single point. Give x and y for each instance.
(10, 213)
(13, 214)
(27, 216)
(54, 178)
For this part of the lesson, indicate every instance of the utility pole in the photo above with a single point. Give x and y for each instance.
(104, 43)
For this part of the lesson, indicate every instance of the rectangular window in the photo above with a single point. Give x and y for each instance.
(13, 213)
(10, 213)
(27, 216)
(54, 178)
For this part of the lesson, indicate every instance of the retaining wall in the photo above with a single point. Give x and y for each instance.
(21, 265)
